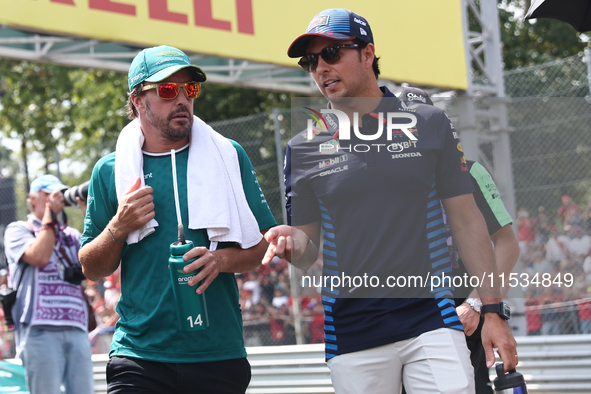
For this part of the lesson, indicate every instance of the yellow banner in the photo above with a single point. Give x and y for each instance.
(419, 42)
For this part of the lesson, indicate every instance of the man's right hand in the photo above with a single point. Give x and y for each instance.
(101, 256)
(469, 317)
(280, 243)
(285, 242)
(136, 208)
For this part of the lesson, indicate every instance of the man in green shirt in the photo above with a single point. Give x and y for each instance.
(131, 220)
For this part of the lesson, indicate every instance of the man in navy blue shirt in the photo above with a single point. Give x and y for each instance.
(377, 208)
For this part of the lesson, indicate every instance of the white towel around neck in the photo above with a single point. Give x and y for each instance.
(215, 196)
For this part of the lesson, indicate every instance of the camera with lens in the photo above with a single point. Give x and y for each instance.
(74, 275)
(76, 191)
(8, 298)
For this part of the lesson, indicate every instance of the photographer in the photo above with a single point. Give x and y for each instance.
(50, 312)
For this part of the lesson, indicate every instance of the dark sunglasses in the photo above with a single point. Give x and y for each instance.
(169, 90)
(330, 54)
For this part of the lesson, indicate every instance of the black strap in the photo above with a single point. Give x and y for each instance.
(490, 308)
(21, 277)
(61, 252)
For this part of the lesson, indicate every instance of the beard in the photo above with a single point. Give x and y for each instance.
(167, 130)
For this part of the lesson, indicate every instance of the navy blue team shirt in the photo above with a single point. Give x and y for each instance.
(381, 216)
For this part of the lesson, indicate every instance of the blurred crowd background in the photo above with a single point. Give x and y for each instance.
(548, 106)
(557, 245)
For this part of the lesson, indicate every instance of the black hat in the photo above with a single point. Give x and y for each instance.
(414, 94)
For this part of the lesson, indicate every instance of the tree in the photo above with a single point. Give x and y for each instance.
(526, 43)
(548, 110)
(97, 116)
(220, 102)
(34, 105)
(7, 166)
(83, 110)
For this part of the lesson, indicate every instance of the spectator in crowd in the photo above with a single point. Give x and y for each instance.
(533, 314)
(580, 244)
(570, 322)
(527, 256)
(570, 213)
(543, 224)
(313, 314)
(50, 312)
(587, 269)
(552, 313)
(131, 221)
(584, 312)
(555, 247)
(254, 287)
(587, 216)
(526, 229)
(105, 311)
(540, 264)
(280, 298)
(267, 288)
(282, 326)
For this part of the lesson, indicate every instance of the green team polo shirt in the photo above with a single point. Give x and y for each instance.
(488, 199)
(493, 210)
(148, 327)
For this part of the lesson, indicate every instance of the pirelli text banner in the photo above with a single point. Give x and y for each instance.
(420, 42)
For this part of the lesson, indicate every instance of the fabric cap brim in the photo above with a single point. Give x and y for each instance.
(49, 188)
(197, 74)
(55, 186)
(298, 47)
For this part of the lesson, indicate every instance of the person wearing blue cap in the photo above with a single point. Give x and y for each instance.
(172, 176)
(377, 211)
(50, 313)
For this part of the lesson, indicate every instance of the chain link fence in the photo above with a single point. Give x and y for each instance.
(550, 113)
(265, 294)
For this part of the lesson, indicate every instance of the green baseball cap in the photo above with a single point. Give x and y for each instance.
(158, 63)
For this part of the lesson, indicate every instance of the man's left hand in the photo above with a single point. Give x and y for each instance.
(208, 263)
(82, 204)
(55, 199)
(496, 334)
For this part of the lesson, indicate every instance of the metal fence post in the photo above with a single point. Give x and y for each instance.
(293, 284)
(280, 159)
(588, 61)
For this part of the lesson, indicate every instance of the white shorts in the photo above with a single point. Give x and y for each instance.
(434, 362)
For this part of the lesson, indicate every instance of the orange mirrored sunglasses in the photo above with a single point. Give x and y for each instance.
(169, 90)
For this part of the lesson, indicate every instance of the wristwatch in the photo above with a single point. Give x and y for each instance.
(501, 308)
(474, 303)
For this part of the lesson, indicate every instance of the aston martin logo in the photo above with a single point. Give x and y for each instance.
(169, 53)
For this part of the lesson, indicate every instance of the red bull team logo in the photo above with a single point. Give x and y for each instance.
(392, 123)
(316, 125)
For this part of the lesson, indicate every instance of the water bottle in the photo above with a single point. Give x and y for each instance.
(511, 382)
(190, 307)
